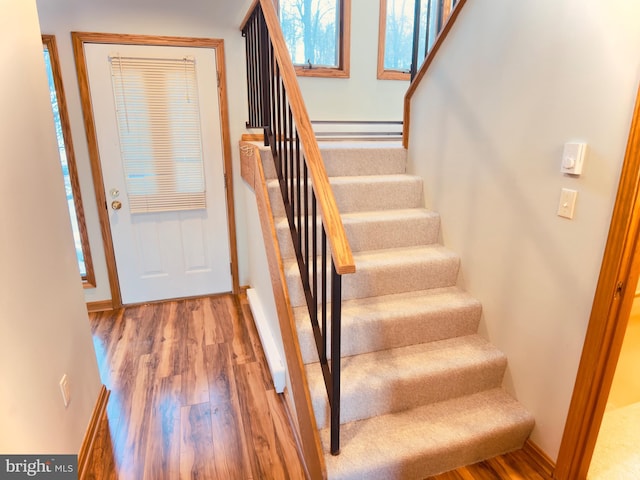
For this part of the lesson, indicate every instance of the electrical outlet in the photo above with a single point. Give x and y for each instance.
(66, 390)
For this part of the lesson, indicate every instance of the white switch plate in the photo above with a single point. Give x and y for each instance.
(567, 205)
(573, 158)
(65, 389)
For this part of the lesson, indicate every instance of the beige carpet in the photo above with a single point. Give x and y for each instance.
(617, 453)
(421, 390)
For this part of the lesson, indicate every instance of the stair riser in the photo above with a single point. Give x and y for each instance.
(385, 280)
(426, 441)
(420, 389)
(364, 196)
(371, 335)
(375, 235)
(378, 398)
(387, 195)
(509, 439)
(364, 161)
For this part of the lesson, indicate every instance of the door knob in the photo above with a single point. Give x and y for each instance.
(116, 205)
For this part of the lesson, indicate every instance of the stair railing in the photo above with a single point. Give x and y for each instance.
(436, 15)
(447, 12)
(276, 106)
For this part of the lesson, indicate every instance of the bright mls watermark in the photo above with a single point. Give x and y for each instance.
(50, 467)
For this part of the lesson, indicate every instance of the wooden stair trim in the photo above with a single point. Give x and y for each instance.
(253, 173)
(336, 236)
(286, 406)
(86, 449)
(425, 66)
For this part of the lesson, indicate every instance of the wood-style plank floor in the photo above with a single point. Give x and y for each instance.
(192, 398)
(515, 465)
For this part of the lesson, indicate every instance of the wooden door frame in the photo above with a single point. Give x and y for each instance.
(609, 317)
(79, 39)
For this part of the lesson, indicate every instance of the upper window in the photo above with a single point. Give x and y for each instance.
(67, 160)
(396, 34)
(317, 34)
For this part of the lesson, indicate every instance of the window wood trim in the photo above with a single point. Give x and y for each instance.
(49, 42)
(384, 74)
(343, 70)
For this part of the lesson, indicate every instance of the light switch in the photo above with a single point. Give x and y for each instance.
(567, 205)
(573, 158)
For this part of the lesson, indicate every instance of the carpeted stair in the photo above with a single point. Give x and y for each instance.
(421, 390)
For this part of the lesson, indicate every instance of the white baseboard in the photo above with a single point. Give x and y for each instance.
(276, 365)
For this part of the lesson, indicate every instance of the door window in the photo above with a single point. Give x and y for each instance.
(158, 115)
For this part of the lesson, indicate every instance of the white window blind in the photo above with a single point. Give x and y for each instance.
(158, 117)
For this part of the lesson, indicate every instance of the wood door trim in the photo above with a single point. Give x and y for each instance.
(79, 39)
(609, 317)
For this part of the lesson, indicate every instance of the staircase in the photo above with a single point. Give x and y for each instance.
(421, 390)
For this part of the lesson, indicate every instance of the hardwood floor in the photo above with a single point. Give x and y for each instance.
(190, 395)
(192, 398)
(514, 465)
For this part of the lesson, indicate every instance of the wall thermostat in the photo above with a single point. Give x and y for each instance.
(573, 158)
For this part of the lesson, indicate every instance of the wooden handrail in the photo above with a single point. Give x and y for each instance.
(337, 238)
(276, 105)
(425, 66)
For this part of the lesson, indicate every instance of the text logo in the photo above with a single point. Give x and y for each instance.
(50, 467)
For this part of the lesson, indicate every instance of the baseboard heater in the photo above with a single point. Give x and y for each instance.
(271, 352)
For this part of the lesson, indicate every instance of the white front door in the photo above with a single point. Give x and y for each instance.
(166, 254)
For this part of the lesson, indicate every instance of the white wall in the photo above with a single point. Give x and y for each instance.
(190, 18)
(513, 82)
(260, 275)
(44, 330)
(362, 96)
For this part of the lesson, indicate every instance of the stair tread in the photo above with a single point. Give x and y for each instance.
(388, 271)
(409, 254)
(413, 360)
(374, 215)
(420, 388)
(388, 321)
(378, 229)
(354, 157)
(374, 179)
(430, 439)
(400, 378)
(391, 305)
(354, 145)
(357, 158)
(367, 192)
(362, 179)
(396, 255)
(392, 214)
